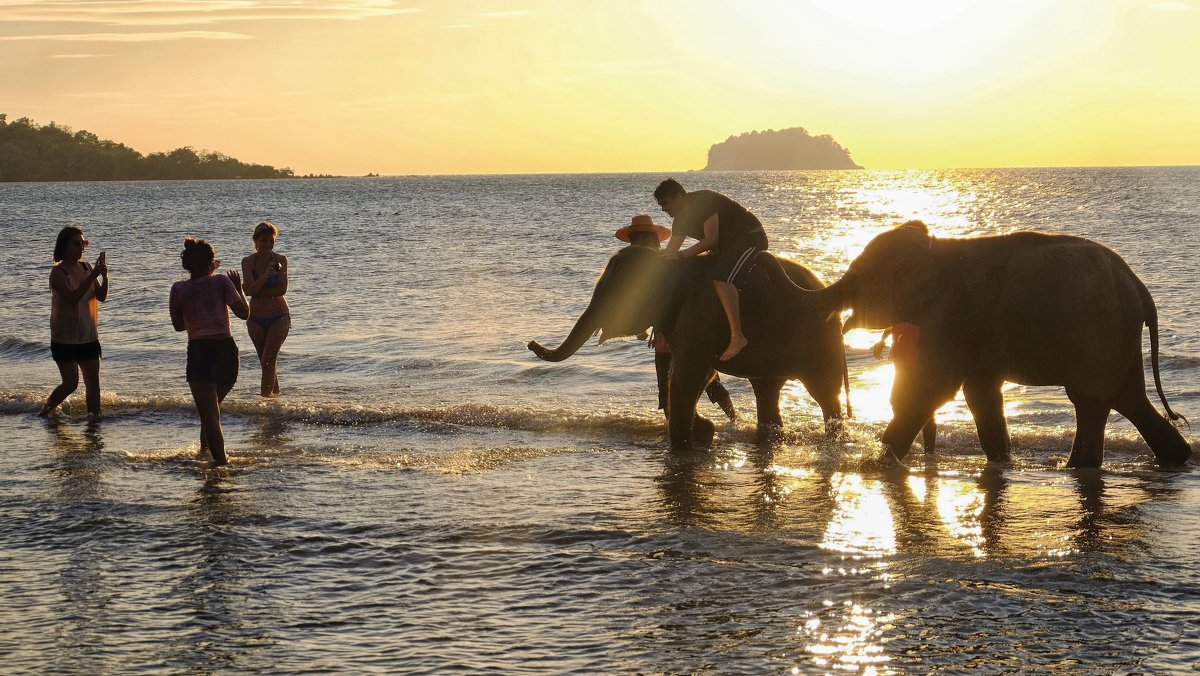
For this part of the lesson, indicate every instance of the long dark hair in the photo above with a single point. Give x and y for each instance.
(64, 238)
(197, 256)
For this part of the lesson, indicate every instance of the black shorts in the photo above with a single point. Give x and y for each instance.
(212, 360)
(69, 352)
(734, 261)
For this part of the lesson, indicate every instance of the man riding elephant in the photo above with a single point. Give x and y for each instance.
(722, 226)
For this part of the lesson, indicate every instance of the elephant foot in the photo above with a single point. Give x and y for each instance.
(999, 458)
(703, 432)
(886, 462)
(834, 428)
(1084, 460)
(768, 432)
(1173, 457)
(1002, 462)
(700, 435)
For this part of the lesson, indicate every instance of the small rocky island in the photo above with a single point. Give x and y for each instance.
(784, 149)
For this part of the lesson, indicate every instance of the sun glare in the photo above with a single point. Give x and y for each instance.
(899, 18)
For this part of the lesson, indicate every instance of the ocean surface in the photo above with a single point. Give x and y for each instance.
(428, 497)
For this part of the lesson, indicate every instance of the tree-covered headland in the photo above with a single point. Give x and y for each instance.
(52, 152)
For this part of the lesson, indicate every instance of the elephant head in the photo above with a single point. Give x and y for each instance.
(888, 282)
(635, 291)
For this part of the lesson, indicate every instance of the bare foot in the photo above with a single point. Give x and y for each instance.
(204, 456)
(736, 345)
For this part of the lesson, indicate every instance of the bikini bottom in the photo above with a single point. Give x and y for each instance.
(266, 322)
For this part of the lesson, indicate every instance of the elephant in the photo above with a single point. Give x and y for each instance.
(1026, 307)
(642, 287)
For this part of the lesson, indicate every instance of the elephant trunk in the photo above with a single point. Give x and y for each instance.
(583, 329)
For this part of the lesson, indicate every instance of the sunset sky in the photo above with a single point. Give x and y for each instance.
(514, 86)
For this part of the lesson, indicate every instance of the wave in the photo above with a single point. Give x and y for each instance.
(11, 346)
(1029, 436)
(445, 419)
(1175, 362)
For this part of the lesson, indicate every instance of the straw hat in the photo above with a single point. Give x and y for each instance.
(643, 223)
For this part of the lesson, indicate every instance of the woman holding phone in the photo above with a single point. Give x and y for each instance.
(76, 289)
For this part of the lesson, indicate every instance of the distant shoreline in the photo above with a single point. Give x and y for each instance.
(680, 172)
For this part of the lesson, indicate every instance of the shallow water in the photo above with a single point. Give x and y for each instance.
(427, 496)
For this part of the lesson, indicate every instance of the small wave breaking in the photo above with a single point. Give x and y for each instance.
(19, 348)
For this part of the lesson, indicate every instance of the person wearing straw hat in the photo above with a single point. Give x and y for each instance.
(733, 234)
(643, 232)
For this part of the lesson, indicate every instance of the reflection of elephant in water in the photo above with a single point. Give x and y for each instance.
(1027, 307)
(641, 288)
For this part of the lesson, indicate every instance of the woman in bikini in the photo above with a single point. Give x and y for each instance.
(265, 274)
(75, 289)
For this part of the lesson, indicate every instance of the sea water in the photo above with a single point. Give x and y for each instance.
(427, 496)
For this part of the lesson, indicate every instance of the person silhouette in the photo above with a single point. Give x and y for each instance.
(265, 274)
(722, 226)
(76, 289)
(643, 232)
(200, 305)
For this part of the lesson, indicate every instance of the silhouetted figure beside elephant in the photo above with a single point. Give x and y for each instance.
(642, 231)
(1026, 307)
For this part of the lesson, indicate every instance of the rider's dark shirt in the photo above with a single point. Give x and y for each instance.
(734, 221)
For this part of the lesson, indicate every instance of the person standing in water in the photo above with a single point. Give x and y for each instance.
(733, 234)
(266, 277)
(201, 306)
(643, 232)
(76, 289)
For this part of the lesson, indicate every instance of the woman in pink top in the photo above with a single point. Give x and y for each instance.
(75, 290)
(201, 306)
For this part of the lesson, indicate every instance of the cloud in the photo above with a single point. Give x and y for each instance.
(1172, 6)
(193, 12)
(126, 37)
(78, 56)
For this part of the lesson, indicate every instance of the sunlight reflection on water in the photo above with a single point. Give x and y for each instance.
(960, 505)
(849, 636)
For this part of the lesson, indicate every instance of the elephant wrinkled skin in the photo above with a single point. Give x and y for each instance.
(640, 288)
(1027, 307)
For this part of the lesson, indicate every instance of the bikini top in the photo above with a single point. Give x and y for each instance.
(271, 279)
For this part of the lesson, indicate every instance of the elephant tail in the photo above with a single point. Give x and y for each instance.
(846, 382)
(1152, 324)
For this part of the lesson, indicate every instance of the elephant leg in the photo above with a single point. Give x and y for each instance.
(686, 384)
(1091, 416)
(986, 402)
(909, 417)
(1165, 441)
(929, 434)
(827, 392)
(766, 400)
(914, 400)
